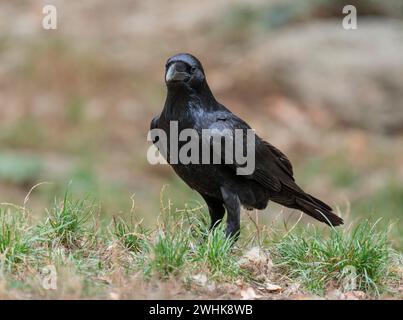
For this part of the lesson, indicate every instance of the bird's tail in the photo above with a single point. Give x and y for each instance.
(317, 209)
(293, 196)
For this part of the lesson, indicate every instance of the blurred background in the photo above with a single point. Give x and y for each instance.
(76, 102)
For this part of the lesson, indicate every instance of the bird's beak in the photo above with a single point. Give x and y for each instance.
(174, 75)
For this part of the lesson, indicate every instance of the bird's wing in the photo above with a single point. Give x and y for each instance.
(154, 125)
(273, 171)
(272, 167)
(279, 157)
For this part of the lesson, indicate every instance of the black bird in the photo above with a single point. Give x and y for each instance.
(191, 103)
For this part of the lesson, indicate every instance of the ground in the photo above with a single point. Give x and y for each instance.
(72, 254)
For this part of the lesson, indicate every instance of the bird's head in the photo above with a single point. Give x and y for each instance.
(184, 70)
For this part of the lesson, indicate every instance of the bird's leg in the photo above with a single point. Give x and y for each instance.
(233, 206)
(216, 210)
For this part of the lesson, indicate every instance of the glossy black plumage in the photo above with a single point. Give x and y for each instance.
(190, 102)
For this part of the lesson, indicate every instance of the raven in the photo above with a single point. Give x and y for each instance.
(192, 105)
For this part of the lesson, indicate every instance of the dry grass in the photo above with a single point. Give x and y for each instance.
(116, 259)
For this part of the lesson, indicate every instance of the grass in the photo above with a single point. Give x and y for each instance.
(388, 199)
(132, 236)
(94, 258)
(183, 246)
(14, 238)
(169, 253)
(217, 253)
(357, 259)
(66, 222)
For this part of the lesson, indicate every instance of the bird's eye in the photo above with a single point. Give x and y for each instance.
(193, 69)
